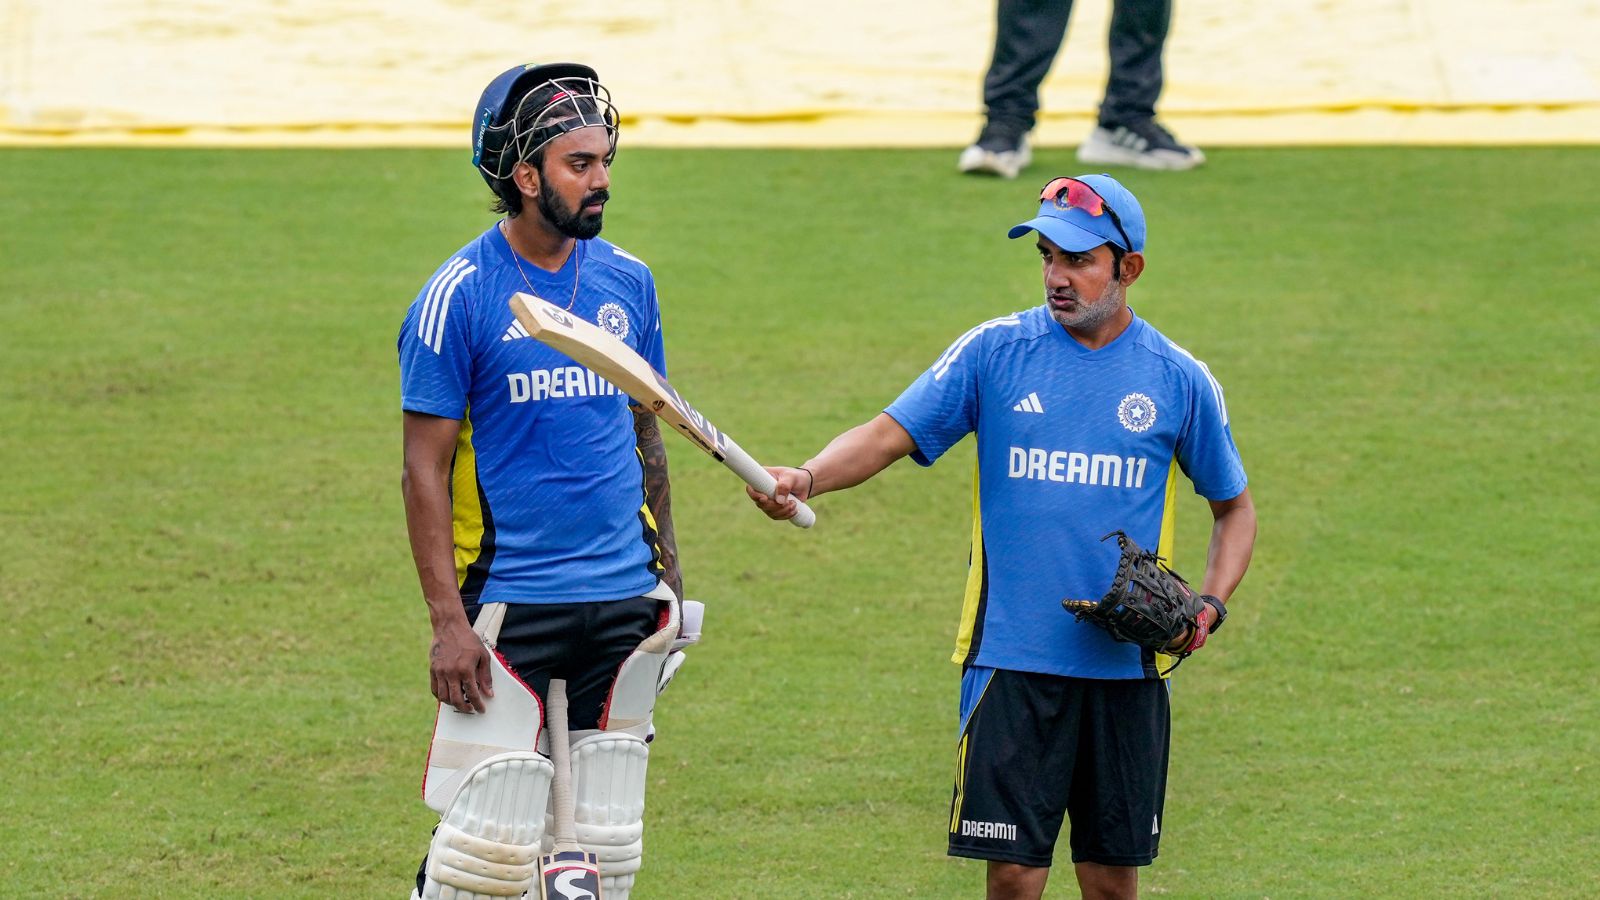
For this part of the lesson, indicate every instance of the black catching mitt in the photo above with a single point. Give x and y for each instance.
(1148, 604)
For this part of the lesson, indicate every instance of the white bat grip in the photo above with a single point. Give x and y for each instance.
(734, 457)
(561, 757)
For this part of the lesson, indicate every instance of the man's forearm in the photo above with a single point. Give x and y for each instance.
(658, 495)
(858, 454)
(428, 523)
(1233, 539)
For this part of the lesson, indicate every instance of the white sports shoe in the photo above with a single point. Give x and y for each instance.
(1007, 163)
(1145, 145)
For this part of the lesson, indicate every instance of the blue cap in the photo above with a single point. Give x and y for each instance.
(1075, 230)
(499, 103)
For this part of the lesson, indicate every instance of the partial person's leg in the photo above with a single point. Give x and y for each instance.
(612, 632)
(1028, 35)
(609, 765)
(1138, 36)
(1128, 133)
(491, 787)
(1119, 787)
(1097, 882)
(1014, 762)
(584, 643)
(1010, 881)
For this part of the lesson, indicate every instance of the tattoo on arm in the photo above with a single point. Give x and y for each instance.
(646, 429)
(658, 493)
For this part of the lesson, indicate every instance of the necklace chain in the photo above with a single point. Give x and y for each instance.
(516, 260)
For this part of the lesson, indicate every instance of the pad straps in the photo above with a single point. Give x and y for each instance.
(490, 617)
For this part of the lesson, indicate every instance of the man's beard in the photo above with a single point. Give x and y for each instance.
(1090, 316)
(573, 222)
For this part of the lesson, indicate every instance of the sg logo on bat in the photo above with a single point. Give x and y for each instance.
(579, 880)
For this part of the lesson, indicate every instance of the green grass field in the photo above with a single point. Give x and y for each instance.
(214, 672)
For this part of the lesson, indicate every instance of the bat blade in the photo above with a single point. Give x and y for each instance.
(567, 872)
(611, 359)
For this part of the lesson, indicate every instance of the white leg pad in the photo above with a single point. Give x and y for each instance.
(616, 888)
(609, 784)
(489, 840)
(608, 770)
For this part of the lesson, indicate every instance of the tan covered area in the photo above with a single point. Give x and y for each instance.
(767, 73)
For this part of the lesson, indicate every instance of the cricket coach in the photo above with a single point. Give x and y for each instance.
(1085, 415)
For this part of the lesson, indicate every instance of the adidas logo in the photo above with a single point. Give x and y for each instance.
(1029, 404)
(515, 331)
(1130, 139)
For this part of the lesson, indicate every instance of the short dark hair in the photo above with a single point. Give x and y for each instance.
(507, 196)
(1117, 253)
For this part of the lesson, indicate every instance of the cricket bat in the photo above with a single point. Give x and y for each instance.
(616, 362)
(567, 872)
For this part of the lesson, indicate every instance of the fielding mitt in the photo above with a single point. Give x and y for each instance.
(1148, 604)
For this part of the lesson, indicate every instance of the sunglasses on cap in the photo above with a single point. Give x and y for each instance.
(1070, 193)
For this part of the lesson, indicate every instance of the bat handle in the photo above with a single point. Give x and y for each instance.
(561, 758)
(804, 518)
(759, 478)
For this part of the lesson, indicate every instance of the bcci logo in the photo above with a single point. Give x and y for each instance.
(1136, 412)
(614, 319)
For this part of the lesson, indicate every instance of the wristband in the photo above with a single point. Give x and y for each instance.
(1218, 608)
(812, 484)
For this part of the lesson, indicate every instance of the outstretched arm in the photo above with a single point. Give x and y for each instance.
(658, 493)
(848, 460)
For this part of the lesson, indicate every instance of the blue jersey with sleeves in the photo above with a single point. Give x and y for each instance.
(1072, 444)
(547, 484)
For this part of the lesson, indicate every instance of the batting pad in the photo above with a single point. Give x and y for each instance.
(510, 722)
(608, 773)
(488, 843)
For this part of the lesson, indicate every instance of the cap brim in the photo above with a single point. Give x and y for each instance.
(1065, 235)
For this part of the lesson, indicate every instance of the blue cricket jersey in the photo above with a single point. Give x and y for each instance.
(1072, 444)
(547, 485)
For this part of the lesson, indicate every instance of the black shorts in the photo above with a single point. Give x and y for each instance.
(1036, 747)
(581, 642)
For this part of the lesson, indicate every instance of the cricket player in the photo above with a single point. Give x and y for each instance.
(537, 503)
(1085, 417)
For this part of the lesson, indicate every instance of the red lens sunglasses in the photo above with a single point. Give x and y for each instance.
(1070, 193)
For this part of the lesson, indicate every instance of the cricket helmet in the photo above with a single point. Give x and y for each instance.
(527, 107)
